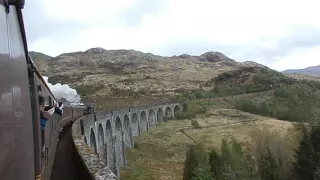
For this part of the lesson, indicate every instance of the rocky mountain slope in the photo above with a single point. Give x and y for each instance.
(311, 71)
(304, 77)
(115, 78)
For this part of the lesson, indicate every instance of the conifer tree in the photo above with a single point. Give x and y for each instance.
(307, 162)
(215, 164)
(268, 166)
(196, 157)
(202, 155)
(190, 164)
(237, 160)
(231, 160)
(250, 166)
(225, 155)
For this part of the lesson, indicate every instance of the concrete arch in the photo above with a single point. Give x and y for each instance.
(109, 151)
(82, 127)
(176, 111)
(101, 145)
(119, 143)
(135, 125)
(152, 118)
(168, 114)
(143, 122)
(160, 116)
(93, 143)
(127, 132)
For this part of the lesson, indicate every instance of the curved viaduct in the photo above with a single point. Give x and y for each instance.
(107, 135)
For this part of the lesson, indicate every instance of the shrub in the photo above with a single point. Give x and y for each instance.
(201, 173)
(195, 124)
(87, 89)
(197, 107)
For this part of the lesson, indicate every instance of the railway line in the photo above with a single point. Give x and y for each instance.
(67, 164)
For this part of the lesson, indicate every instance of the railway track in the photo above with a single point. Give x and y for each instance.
(68, 164)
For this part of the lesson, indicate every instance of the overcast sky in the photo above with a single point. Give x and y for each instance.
(281, 34)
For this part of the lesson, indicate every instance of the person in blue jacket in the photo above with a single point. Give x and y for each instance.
(45, 113)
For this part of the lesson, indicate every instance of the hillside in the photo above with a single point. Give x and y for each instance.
(283, 97)
(244, 105)
(311, 71)
(128, 77)
(304, 77)
(249, 75)
(42, 61)
(242, 80)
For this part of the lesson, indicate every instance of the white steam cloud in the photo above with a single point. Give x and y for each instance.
(63, 91)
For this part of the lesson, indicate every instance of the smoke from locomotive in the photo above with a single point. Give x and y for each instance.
(61, 91)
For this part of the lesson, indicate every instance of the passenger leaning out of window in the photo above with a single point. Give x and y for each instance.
(59, 108)
(45, 114)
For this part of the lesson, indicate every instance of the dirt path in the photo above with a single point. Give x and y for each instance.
(67, 164)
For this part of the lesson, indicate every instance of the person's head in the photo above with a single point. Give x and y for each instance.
(48, 111)
(42, 102)
(60, 105)
(47, 108)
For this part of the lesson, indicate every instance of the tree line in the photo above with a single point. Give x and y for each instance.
(269, 158)
(297, 102)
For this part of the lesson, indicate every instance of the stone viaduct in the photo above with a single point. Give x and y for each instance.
(103, 138)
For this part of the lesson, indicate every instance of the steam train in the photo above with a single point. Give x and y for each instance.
(21, 155)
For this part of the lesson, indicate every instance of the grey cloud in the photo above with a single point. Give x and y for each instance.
(133, 15)
(38, 24)
(303, 36)
(194, 47)
(299, 37)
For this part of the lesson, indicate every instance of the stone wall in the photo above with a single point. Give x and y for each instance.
(102, 139)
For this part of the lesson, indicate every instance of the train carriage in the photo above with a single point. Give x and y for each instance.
(21, 154)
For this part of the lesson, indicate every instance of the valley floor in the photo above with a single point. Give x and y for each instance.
(159, 154)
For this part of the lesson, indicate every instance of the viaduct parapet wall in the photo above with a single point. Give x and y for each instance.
(102, 139)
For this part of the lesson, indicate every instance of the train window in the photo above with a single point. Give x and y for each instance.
(39, 88)
(50, 101)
